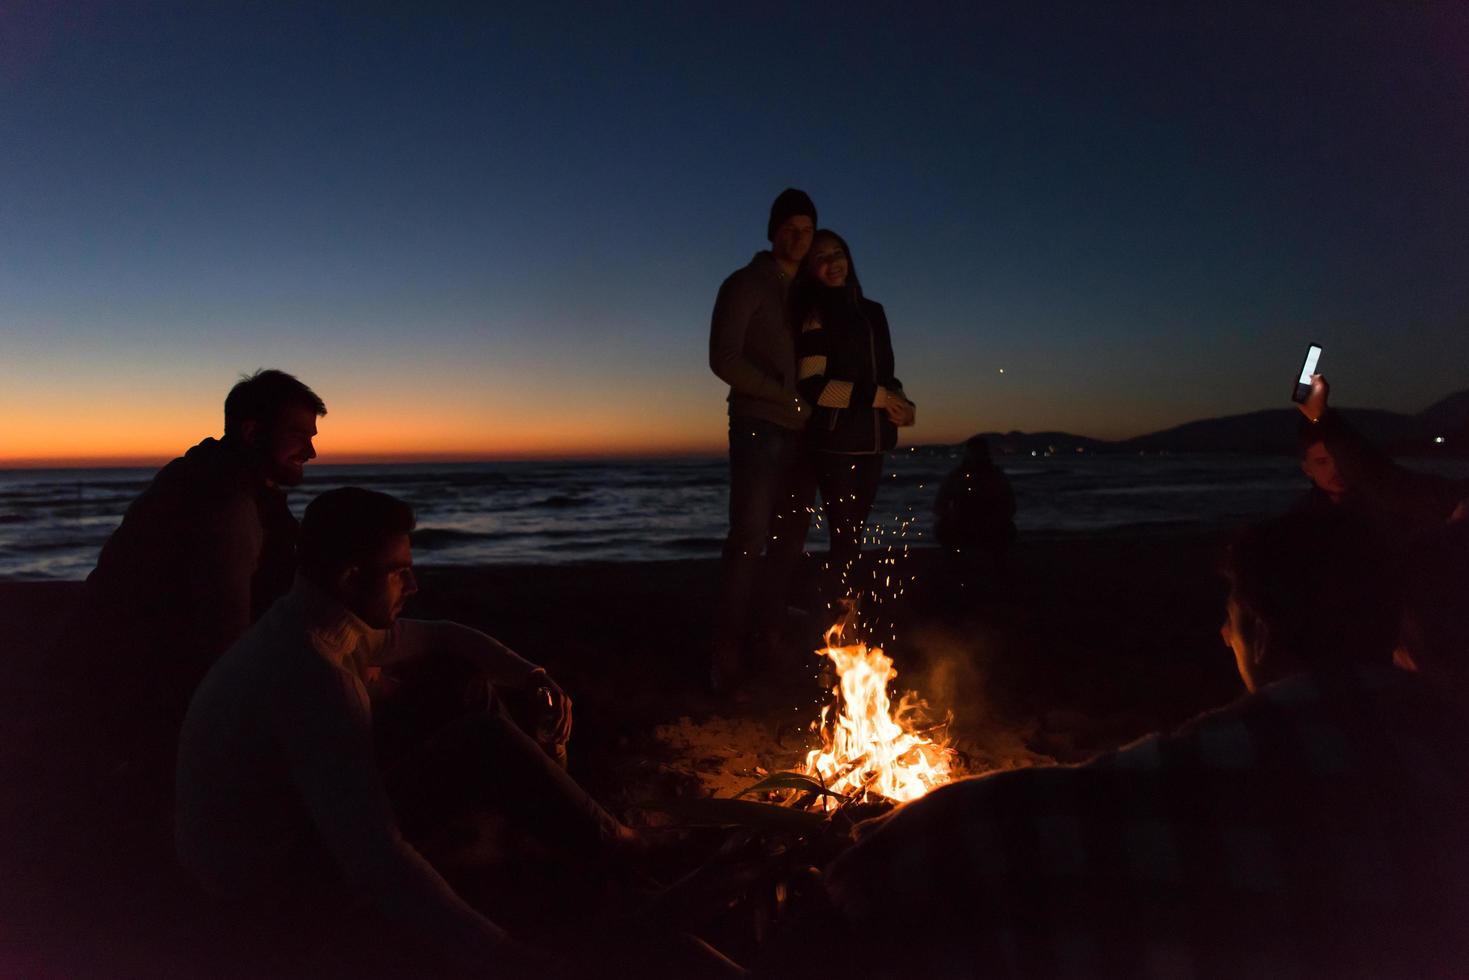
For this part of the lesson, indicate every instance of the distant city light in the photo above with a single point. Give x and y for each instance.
(1438, 439)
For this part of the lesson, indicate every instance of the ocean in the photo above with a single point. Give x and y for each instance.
(53, 522)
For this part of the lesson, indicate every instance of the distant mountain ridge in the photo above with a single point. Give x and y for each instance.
(1268, 432)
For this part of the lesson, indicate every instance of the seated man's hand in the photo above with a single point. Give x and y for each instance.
(901, 411)
(1315, 404)
(560, 706)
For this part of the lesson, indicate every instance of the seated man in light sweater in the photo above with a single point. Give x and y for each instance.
(287, 779)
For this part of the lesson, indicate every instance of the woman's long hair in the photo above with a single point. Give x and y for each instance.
(810, 295)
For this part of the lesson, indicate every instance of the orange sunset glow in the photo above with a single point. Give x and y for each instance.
(377, 434)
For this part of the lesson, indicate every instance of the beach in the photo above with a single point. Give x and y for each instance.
(1093, 641)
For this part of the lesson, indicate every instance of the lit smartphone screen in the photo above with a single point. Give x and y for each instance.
(1313, 354)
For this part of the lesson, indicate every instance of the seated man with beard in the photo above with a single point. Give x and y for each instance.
(300, 768)
(1313, 828)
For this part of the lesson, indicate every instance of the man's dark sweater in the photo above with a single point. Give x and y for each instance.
(199, 556)
(752, 346)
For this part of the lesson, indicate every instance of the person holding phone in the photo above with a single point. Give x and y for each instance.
(1348, 472)
(845, 367)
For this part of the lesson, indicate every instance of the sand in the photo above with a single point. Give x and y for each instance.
(1092, 642)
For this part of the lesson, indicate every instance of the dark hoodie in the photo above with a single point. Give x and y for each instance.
(1395, 503)
(751, 346)
(844, 353)
(199, 556)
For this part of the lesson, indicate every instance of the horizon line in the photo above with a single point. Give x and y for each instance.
(157, 460)
(140, 461)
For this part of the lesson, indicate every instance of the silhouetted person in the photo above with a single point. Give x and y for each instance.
(845, 367)
(1352, 478)
(974, 515)
(299, 761)
(752, 348)
(1314, 828)
(198, 557)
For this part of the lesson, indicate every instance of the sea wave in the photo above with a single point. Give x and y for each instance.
(429, 538)
(562, 501)
(54, 522)
(693, 544)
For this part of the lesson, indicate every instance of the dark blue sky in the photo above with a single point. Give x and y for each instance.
(484, 231)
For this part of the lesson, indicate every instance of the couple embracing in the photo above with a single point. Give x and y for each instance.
(813, 401)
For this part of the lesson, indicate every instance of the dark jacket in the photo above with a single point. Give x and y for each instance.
(845, 353)
(1394, 505)
(1404, 503)
(751, 345)
(199, 556)
(975, 508)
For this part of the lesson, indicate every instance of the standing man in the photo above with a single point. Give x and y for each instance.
(752, 349)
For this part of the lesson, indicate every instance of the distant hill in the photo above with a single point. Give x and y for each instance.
(1448, 418)
(1269, 431)
(1044, 443)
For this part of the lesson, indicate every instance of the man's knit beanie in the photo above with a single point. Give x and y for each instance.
(790, 203)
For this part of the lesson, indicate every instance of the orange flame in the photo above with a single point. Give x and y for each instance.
(866, 747)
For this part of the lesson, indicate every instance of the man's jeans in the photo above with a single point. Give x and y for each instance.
(771, 488)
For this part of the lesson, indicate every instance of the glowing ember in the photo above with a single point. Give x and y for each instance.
(867, 748)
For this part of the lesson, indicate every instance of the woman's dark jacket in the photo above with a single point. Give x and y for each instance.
(844, 352)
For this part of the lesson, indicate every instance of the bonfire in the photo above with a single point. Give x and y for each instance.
(871, 757)
(868, 750)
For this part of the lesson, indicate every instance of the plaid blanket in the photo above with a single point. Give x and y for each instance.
(1317, 828)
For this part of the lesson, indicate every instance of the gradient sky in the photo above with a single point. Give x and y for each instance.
(482, 233)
